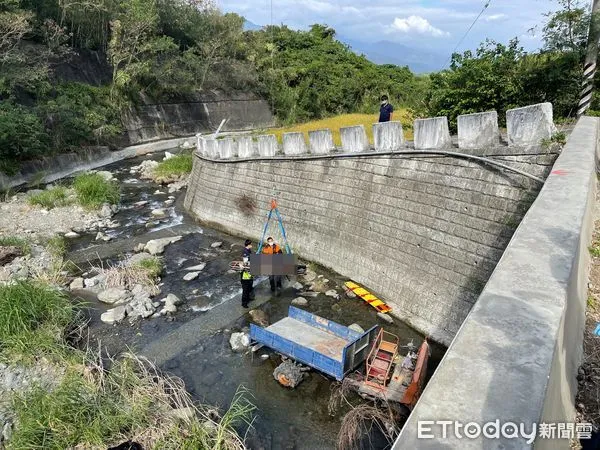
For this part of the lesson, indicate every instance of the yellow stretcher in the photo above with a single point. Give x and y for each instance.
(375, 302)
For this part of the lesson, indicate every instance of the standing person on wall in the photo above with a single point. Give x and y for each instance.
(386, 111)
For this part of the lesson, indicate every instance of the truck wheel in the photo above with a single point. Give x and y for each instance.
(288, 374)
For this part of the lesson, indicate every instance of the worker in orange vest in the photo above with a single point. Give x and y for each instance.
(271, 249)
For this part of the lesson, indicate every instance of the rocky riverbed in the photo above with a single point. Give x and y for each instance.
(189, 317)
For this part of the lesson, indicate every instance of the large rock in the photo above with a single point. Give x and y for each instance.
(147, 169)
(157, 246)
(177, 186)
(216, 244)
(191, 276)
(197, 268)
(298, 286)
(172, 299)
(106, 175)
(159, 212)
(77, 283)
(138, 258)
(8, 254)
(106, 212)
(114, 315)
(259, 317)
(300, 301)
(113, 295)
(239, 341)
(71, 235)
(332, 293)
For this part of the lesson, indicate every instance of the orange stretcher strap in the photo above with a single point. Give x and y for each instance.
(375, 302)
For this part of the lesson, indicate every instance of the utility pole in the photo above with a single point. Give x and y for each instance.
(591, 58)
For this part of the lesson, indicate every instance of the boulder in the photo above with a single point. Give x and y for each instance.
(168, 309)
(356, 327)
(300, 301)
(239, 341)
(169, 202)
(385, 317)
(106, 212)
(172, 299)
(309, 276)
(332, 293)
(168, 155)
(158, 212)
(139, 248)
(113, 295)
(259, 317)
(72, 235)
(177, 186)
(138, 258)
(106, 175)
(77, 283)
(157, 246)
(147, 169)
(191, 276)
(298, 286)
(114, 315)
(216, 244)
(140, 203)
(197, 268)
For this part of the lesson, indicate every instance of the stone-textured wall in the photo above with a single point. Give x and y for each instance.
(424, 233)
(201, 113)
(517, 355)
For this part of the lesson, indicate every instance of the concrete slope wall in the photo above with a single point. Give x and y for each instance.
(517, 353)
(199, 113)
(424, 233)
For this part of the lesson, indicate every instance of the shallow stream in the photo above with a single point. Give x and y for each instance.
(285, 418)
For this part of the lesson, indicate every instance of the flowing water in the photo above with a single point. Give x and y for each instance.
(285, 418)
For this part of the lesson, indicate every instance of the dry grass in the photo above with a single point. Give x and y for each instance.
(359, 422)
(347, 120)
(125, 275)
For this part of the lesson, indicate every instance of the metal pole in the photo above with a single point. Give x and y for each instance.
(591, 58)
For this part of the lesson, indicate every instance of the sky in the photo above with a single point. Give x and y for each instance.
(433, 24)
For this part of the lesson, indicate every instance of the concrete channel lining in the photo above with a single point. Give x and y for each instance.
(516, 356)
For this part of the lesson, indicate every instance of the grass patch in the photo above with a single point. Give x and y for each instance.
(95, 408)
(595, 249)
(346, 120)
(93, 191)
(14, 241)
(57, 246)
(50, 198)
(126, 275)
(178, 165)
(33, 317)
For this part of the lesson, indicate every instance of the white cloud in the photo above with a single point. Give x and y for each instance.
(417, 24)
(495, 17)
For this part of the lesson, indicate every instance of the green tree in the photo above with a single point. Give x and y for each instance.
(566, 29)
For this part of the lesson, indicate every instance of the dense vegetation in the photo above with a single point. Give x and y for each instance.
(166, 49)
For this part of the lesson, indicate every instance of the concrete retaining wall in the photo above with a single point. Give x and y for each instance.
(517, 354)
(423, 233)
(47, 170)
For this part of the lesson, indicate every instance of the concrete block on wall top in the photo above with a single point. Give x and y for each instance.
(226, 148)
(247, 147)
(321, 142)
(294, 144)
(388, 136)
(267, 145)
(530, 124)
(354, 139)
(211, 148)
(478, 130)
(432, 133)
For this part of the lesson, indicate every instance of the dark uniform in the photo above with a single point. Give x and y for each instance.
(247, 286)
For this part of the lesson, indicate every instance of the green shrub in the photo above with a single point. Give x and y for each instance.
(14, 241)
(33, 317)
(92, 190)
(22, 134)
(153, 266)
(50, 198)
(178, 165)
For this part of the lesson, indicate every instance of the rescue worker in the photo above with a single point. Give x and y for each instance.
(246, 260)
(247, 284)
(272, 249)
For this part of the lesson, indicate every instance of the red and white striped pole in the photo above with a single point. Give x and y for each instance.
(591, 58)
